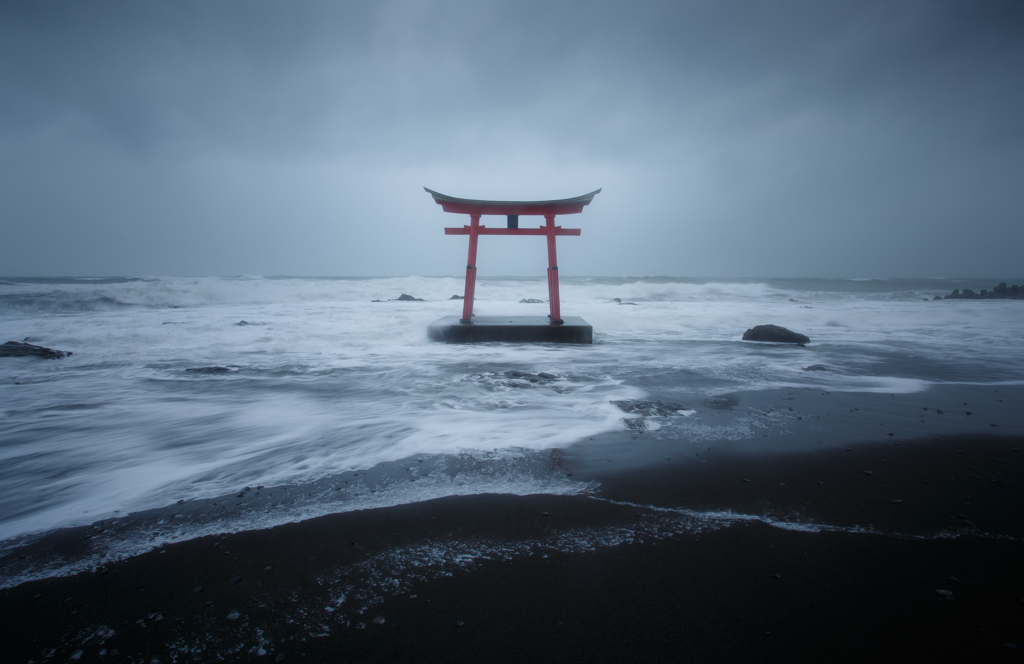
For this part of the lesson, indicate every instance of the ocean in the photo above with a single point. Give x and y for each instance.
(185, 397)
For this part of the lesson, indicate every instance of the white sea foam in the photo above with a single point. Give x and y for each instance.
(510, 471)
(322, 380)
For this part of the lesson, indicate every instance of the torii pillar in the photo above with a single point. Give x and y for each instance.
(512, 330)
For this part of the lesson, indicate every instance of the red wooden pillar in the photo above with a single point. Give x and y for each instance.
(467, 304)
(556, 313)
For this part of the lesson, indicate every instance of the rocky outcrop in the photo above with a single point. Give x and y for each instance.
(457, 297)
(637, 412)
(20, 349)
(527, 300)
(403, 298)
(533, 378)
(1000, 292)
(775, 334)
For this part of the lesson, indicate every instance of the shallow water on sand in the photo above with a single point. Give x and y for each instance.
(167, 397)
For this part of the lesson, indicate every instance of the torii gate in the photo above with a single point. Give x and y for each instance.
(512, 210)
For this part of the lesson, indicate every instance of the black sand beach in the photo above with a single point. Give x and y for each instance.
(839, 565)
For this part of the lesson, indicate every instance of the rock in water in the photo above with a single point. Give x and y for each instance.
(18, 349)
(524, 375)
(775, 334)
(651, 408)
(457, 297)
(409, 298)
(999, 292)
(530, 300)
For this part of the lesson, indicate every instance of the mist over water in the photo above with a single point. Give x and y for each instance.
(167, 397)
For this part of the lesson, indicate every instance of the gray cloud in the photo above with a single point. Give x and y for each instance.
(832, 139)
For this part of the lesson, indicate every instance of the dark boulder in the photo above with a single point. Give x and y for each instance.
(528, 300)
(457, 297)
(19, 349)
(775, 334)
(816, 367)
(409, 298)
(209, 370)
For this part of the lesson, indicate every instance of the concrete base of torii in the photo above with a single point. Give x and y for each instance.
(516, 329)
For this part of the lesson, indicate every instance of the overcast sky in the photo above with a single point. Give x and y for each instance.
(814, 138)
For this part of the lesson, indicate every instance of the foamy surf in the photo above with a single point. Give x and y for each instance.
(169, 397)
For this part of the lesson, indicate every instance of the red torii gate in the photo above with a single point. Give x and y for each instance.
(512, 210)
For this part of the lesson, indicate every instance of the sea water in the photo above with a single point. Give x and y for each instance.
(181, 392)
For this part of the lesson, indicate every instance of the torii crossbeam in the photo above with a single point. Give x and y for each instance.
(512, 210)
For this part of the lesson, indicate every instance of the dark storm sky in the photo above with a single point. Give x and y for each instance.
(731, 138)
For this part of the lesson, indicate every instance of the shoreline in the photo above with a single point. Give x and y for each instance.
(661, 561)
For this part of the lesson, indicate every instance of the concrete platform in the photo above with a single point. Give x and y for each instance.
(521, 329)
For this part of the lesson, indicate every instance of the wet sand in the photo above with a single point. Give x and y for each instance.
(839, 565)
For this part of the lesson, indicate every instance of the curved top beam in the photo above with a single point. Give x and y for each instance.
(540, 208)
